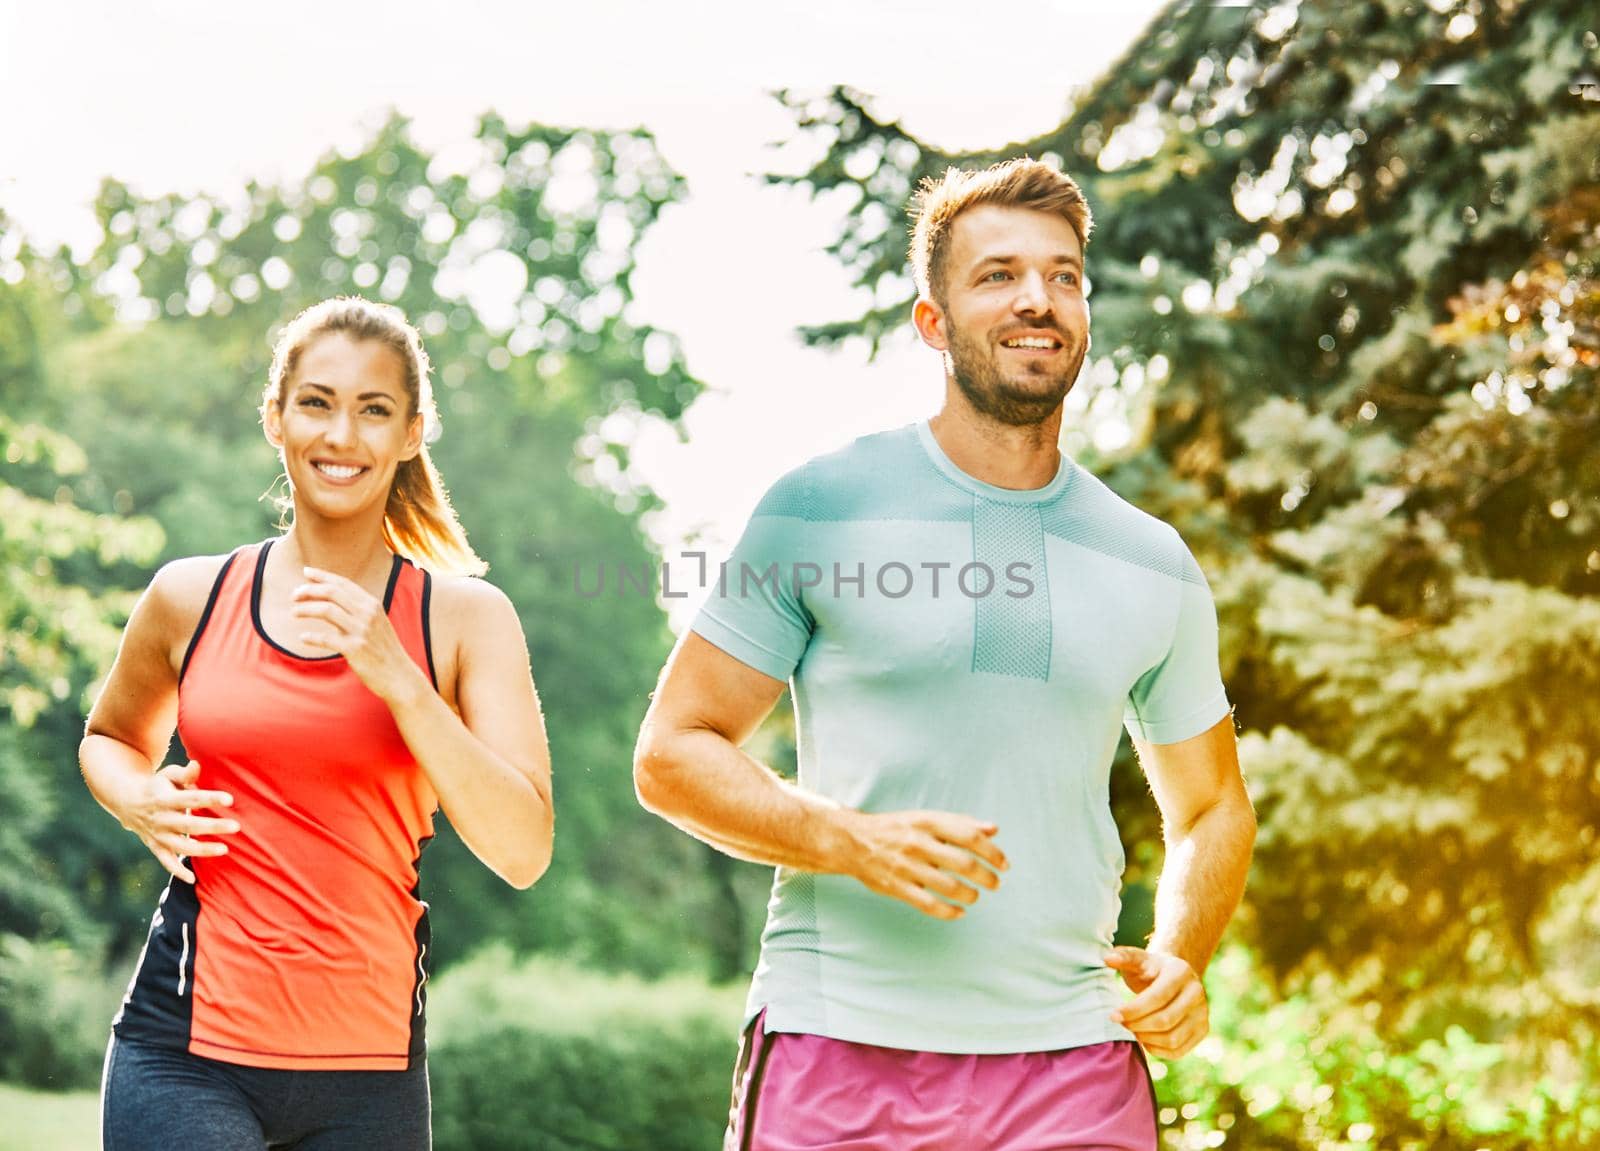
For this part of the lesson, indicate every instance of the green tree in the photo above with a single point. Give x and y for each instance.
(58, 634)
(63, 594)
(1345, 296)
(517, 271)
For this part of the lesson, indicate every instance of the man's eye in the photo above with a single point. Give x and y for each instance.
(997, 276)
(1068, 277)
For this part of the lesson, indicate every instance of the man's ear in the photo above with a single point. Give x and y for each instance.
(272, 423)
(931, 324)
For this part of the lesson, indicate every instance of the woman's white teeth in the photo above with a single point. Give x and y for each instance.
(339, 471)
(1031, 342)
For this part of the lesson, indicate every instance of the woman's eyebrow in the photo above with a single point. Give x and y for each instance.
(363, 396)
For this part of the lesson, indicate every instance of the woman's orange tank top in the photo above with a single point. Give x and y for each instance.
(306, 945)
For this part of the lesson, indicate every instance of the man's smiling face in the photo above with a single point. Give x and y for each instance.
(1016, 324)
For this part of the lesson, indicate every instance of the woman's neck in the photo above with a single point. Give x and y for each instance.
(355, 551)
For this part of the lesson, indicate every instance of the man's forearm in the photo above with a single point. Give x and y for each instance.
(702, 783)
(1202, 880)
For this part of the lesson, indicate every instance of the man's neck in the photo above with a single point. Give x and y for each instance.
(1004, 455)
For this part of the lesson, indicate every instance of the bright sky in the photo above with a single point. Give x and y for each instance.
(176, 95)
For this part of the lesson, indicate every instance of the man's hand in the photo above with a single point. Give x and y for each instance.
(1169, 1012)
(919, 856)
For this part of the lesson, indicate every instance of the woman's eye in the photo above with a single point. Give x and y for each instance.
(313, 402)
(378, 410)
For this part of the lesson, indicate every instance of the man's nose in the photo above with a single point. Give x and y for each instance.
(1031, 298)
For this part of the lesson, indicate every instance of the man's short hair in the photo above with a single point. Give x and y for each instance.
(1018, 183)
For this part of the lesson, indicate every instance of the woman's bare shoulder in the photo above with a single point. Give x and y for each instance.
(471, 601)
(180, 588)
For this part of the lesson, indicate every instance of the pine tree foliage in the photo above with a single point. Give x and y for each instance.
(1346, 294)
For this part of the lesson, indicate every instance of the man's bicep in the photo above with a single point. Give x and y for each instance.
(1193, 775)
(705, 688)
(1182, 696)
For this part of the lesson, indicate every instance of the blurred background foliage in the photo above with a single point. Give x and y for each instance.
(129, 381)
(1347, 321)
(1347, 326)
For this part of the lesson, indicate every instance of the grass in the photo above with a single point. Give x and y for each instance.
(48, 1120)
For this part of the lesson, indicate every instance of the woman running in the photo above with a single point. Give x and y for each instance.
(332, 688)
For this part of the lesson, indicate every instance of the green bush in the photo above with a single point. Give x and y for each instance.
(1311, 1071)
(546, 1056)
(56, 1007)
(557, 996)
(519, 1090)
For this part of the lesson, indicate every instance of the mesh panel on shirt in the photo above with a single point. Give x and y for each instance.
(1012, 631)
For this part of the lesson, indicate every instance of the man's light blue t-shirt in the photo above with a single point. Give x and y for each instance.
(956, 646)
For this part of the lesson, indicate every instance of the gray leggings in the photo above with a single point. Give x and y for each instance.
(158, 1098)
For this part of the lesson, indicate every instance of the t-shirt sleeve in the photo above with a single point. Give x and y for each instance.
(754, 609)
(1182, 695)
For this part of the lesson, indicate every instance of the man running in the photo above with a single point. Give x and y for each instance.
(967, 619)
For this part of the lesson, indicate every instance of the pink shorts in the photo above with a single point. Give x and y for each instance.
(812, 1093)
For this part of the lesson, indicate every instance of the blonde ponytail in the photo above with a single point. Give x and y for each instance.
(419, 522)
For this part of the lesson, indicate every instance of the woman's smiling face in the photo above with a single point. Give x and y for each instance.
(344, 424)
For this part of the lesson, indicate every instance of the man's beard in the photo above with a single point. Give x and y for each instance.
(1005, 400)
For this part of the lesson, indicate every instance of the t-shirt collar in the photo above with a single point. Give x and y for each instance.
(943, 462)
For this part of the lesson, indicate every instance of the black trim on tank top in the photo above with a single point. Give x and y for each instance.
(159, 1005)
(255, 605)
(427, 625)
(417, 1048)
(394, 579)
(205, 616)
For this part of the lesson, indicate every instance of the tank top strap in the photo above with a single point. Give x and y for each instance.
(410, 603)
(229, 598)
(232, 606)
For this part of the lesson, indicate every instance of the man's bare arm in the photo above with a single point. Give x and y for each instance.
(689, 769)
(1209, 827)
